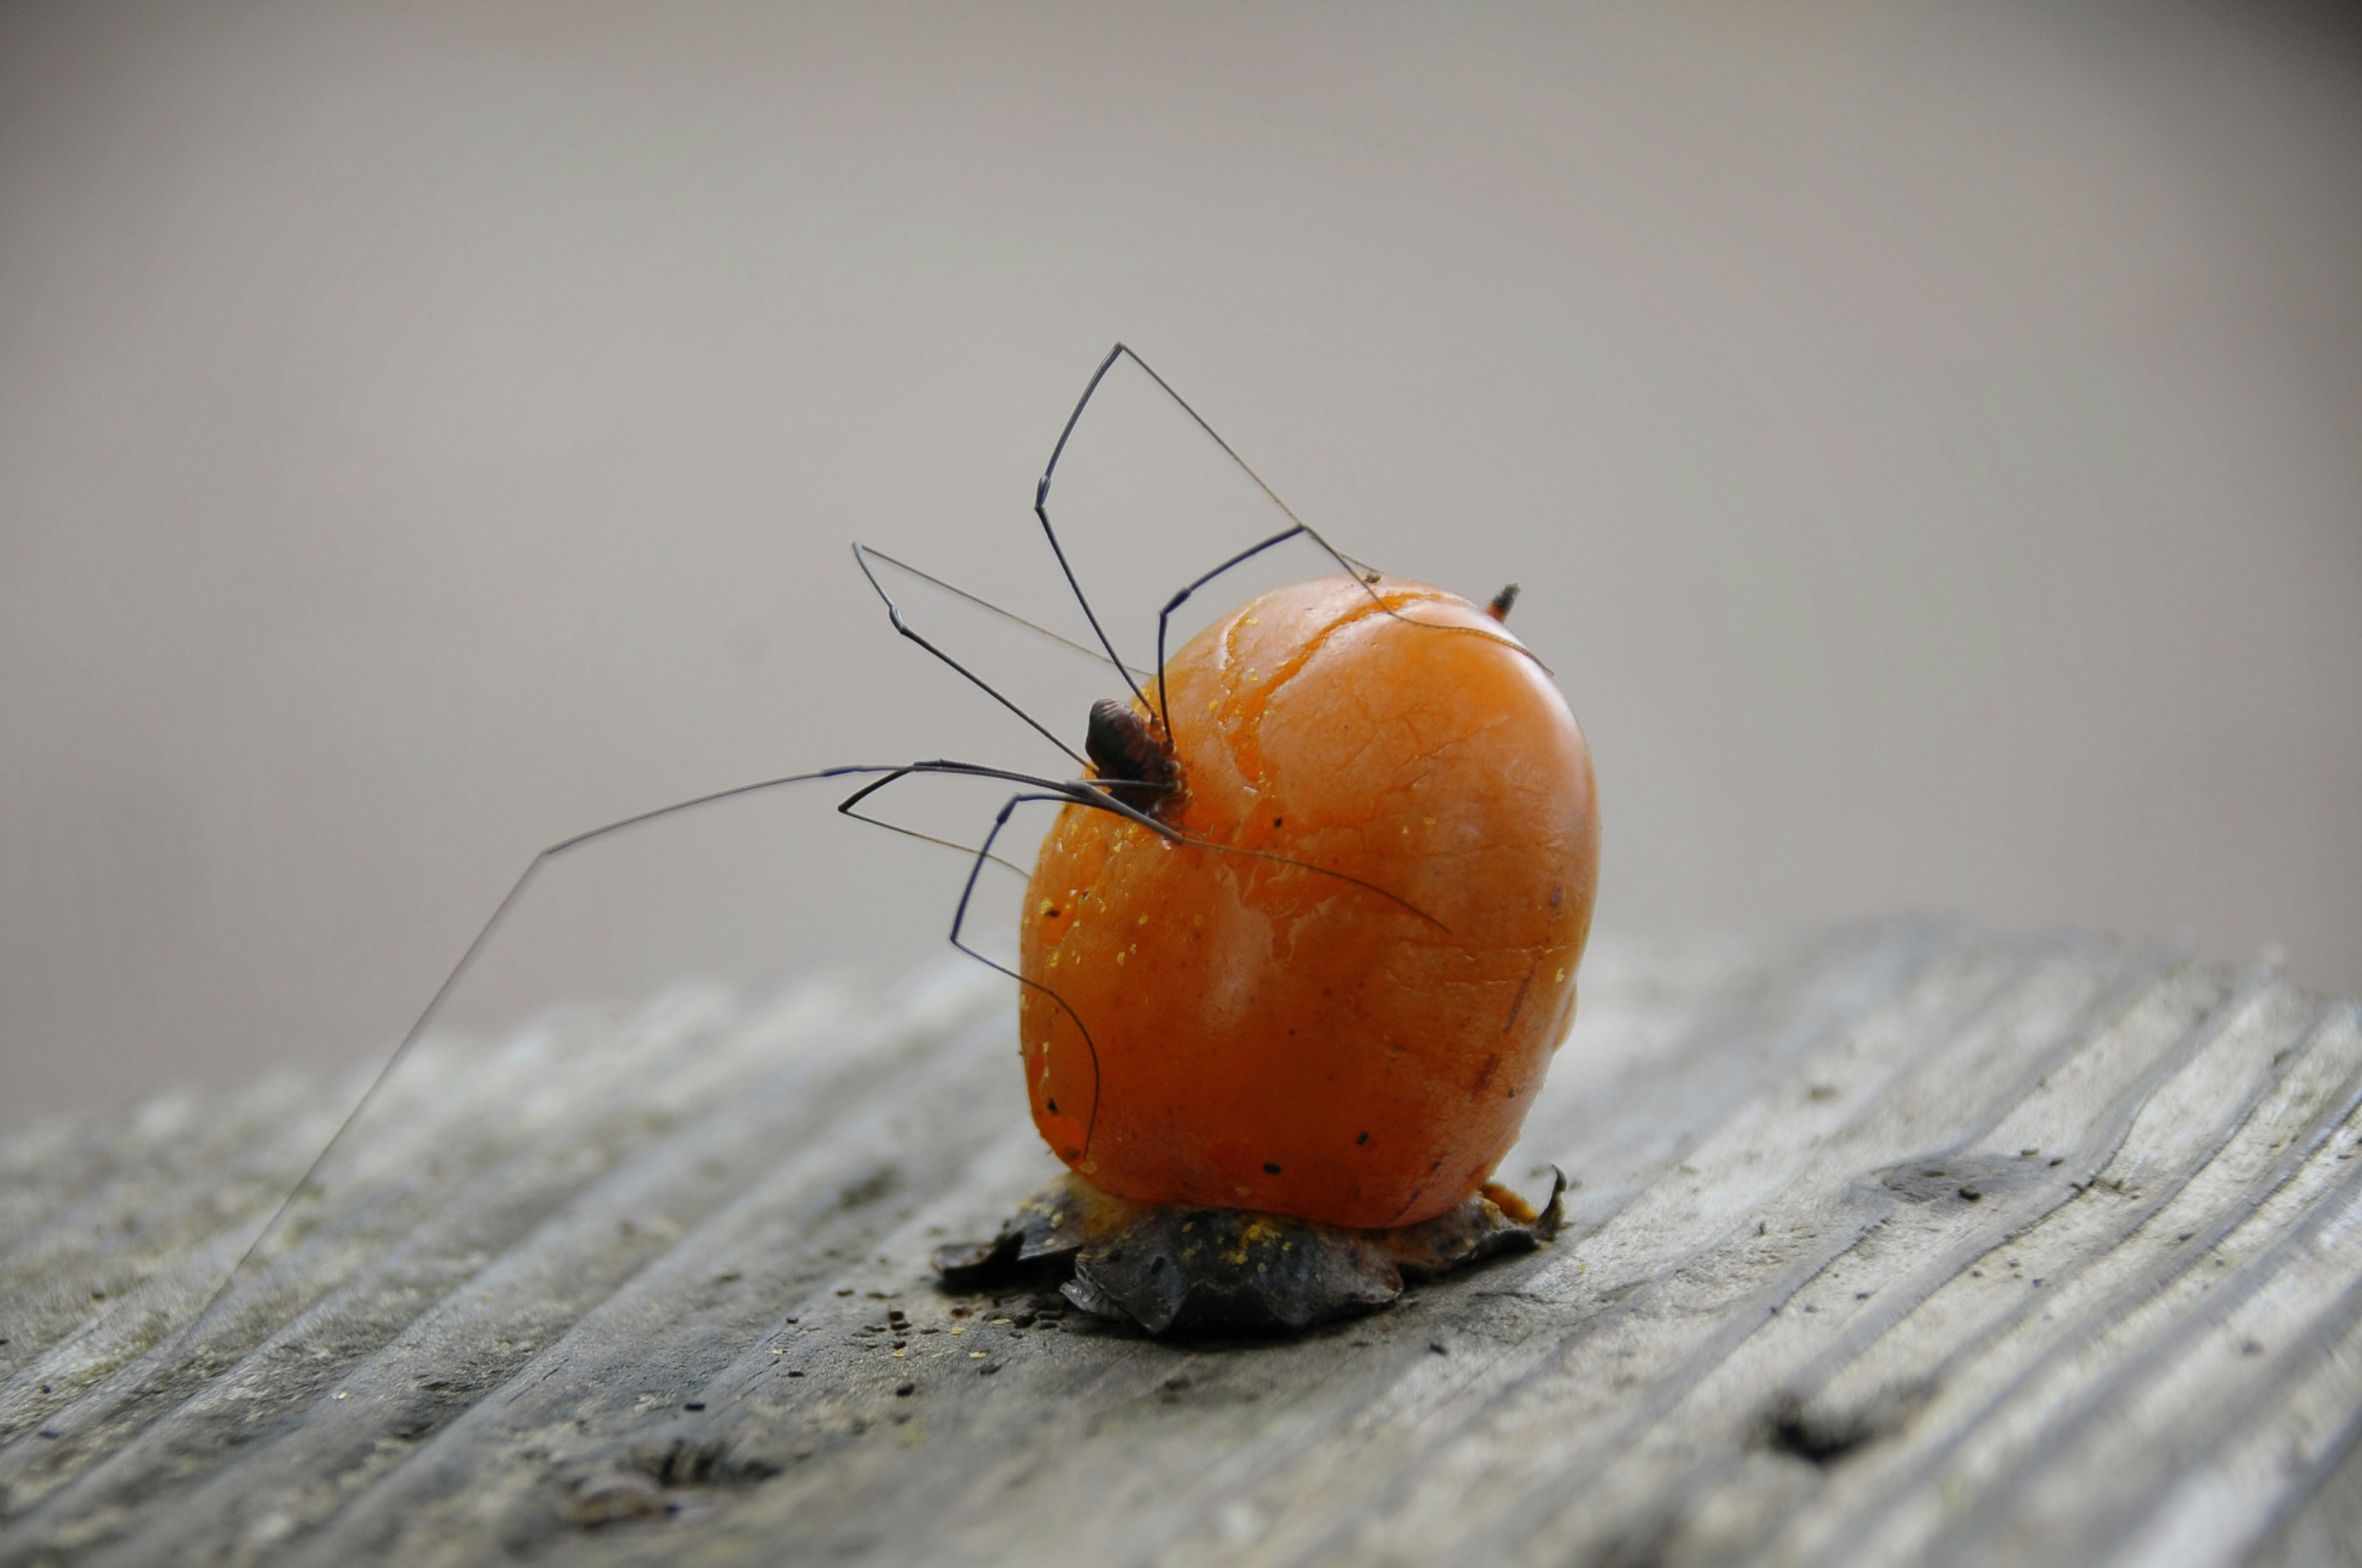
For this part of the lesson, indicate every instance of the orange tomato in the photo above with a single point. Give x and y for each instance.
(1273, 1037)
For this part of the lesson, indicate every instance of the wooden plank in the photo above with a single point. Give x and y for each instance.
(1908, 1242)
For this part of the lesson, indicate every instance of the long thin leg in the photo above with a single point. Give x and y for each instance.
(1095, 794)
(968, 893)
(1277, 859)
(1091, 793)
(1121, 351)
(1297, 526)
(959, 919)
(845, 808)
(1042, 510)
(1165, 616)
(1080, 791)
(956, 591)
(894, 615)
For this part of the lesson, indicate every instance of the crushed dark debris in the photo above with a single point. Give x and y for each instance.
(1172, 1268)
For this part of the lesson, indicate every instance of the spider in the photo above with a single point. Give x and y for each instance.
(1303, 936)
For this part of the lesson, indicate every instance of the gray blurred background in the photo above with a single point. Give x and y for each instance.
(1930, 437)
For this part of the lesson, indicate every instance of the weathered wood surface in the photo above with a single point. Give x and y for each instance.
(1907, 1242)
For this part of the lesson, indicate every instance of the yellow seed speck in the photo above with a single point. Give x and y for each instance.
(976, 1355)
(1143, 919)
(959, 1327)
(1048, 908)
(1005, 1322)
(1120, 956)
(1430, 821)
(901, 1355)
(1562, 978)
(1255, 620)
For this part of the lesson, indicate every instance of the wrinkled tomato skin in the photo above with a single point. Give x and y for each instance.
(1269, 1036)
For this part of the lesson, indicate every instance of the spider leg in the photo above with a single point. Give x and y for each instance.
(956, 591)
(1042, 510)
(1298, 526)
(1165, 616)
(1079, 791)
(959, 920)
(894, 615)
(1346, 877)
(1050, 473)
(844, 807)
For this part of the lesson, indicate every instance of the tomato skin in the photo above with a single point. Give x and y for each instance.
(1271, 1037)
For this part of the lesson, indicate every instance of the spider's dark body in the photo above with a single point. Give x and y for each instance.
(1123, 746)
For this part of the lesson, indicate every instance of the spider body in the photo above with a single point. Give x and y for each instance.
(1126, 743)
(1349, 1023)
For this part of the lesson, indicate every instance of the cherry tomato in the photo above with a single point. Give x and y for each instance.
(1349, 1022)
